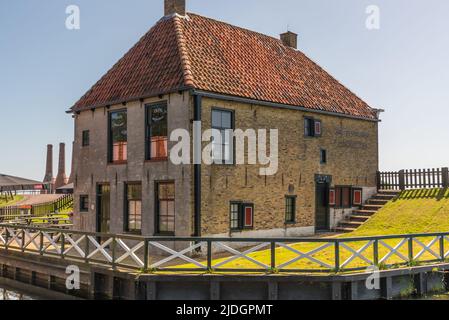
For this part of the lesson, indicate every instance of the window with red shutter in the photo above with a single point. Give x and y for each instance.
(241, 216)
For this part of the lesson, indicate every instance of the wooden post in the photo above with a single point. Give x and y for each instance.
(401, 180)
(445, 179)
(378, 180)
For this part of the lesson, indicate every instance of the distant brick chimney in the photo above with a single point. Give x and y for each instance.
(61, 178)
(290, 39)
(175, 6)
(49, 165)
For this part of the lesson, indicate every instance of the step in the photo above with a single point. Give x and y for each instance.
(372, 207)
(384, 196)
(359, 218)
(344, 230)
(367, 213)
(350, 224)
(381, 202)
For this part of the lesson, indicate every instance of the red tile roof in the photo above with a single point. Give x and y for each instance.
(204, 54)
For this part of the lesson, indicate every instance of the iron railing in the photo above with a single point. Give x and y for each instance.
(285, 255)
(413, 179)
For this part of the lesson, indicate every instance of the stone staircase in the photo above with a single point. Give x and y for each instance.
(360, 216)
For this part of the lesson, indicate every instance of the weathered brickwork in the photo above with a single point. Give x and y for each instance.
(352, 148)
(351, 144)
(92, 168)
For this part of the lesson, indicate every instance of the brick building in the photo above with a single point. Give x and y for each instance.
(190, 68)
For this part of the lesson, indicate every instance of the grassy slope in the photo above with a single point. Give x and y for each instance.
(420, 211)
(3, 203)
(417, 211)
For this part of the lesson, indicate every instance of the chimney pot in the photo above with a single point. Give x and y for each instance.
(175, 6)
(290, 39)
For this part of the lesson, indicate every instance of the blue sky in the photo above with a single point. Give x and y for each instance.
(402, 68)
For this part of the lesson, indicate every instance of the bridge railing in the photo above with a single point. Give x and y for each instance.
(227, 255)
(12, 212)
(413, 179)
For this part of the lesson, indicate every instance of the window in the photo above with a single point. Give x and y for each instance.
(332, 197)
(242, 216)
(323, 156)
(86, 138)
(84, 203)
(290, 209)
(312, 127)
(222, 150)
(342, 197)
(165, 208)
(133, 214)
(157, 131)
(118, 136)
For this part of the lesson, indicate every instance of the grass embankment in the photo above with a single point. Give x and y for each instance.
(417, 211)
(10, 202)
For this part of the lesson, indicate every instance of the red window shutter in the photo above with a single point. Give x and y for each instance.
(338, 197)
(332, 197)
(249, 217)
(357, 197)
(317, 128)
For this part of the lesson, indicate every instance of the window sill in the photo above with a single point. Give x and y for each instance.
(290, 223)
(134, 233)
(117, 163)
(165, 234)
(157, 160)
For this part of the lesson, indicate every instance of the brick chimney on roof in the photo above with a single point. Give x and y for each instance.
(175, 6)
(61, 178)
(290, 39)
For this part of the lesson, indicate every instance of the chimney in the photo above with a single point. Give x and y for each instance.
(61, 179)
(175, 6)
(49, 167)
(290, 39)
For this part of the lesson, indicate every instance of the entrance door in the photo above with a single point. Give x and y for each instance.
(103, 208)
(322, 207)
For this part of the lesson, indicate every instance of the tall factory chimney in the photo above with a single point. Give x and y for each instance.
(61, 178)
(49, 167)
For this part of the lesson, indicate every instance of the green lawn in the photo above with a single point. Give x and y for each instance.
(420, 211)
(4, 203)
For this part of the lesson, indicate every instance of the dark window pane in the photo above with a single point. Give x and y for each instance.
(119, 136)
(157, 131)
(84, 203)
(86, 138)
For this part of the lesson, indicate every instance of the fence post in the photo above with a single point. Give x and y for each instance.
(442, 251)
(209, 255)
(445, 172)
(378, 180)
(410, 250)
(273, 256)
(337, 256)
(146, 255)
(402, 180)
(376, 253)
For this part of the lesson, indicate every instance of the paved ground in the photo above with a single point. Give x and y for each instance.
(29, 200)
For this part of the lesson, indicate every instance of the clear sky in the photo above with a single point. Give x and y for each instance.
(403, 67)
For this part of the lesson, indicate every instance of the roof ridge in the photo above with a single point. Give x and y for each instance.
(183, 53)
